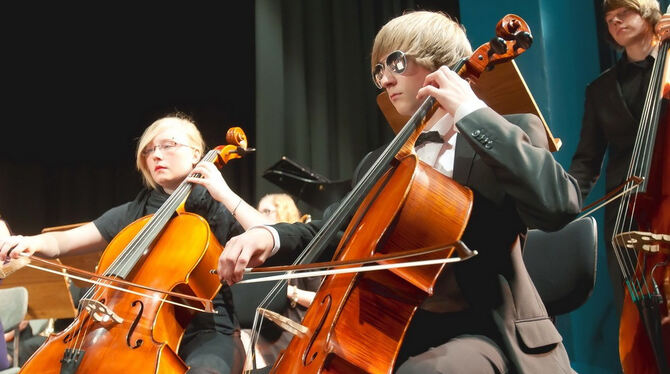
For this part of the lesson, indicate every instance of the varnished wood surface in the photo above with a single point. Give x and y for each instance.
(180, 259)
(357, 322)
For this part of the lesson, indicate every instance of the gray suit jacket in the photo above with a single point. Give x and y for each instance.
(517, 184)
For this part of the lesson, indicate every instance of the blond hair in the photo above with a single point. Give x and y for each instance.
(179, 121)
(432, 39)
(649, 10)
(287, 211)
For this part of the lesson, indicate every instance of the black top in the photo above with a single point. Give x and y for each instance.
(221, 222)
(633, 77)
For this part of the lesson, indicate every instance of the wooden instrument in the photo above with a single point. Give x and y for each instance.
(357, 322)
(643, 254)
(163, 262)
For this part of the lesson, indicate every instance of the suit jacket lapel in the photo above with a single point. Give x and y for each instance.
(616, 94)
(463, 157)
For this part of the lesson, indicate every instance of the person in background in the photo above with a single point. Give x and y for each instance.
(281, 207)
(613, 107)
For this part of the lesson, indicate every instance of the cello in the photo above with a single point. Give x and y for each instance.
(162, 260)
(357, 322)
(641, 238)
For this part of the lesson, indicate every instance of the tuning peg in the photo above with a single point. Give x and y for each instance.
(523, 40)
(498, 46)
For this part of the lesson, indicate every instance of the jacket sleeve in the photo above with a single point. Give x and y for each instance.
(546, 197)
(294, 237)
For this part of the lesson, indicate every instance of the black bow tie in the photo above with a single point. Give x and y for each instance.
(429, 136)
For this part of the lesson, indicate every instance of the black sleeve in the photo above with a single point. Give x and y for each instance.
(294, 237)
(588, 158)
(113, 221)
(221, 221)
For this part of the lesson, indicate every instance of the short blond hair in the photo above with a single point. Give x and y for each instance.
(432, 39)
(287, 211)
(649, 10)
(179, 121)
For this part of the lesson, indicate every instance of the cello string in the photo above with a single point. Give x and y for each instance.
(146, 235)
(343, 210)
(635, 169)
(640, 165)
(136, 244)
(155, 224)
(416, 123)
(256, 326)
(652, 103)
(121, 261)
(142, 240)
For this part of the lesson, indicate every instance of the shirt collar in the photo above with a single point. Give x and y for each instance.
(643, 64)
(445, 127)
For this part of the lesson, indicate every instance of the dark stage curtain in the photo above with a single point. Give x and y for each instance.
(81, 85)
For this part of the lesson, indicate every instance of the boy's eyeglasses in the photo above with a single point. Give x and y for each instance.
(396, 61)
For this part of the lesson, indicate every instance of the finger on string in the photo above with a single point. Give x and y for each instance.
(227, 261)
(426, 91)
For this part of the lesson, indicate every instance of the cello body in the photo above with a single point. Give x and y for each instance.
(148, 337)
(353, 312)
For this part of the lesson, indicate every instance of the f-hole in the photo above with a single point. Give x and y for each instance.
(328, 300)
(138, 342)
(76, 332)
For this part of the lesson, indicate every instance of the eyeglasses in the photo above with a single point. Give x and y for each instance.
(396, 61)
(167, 147)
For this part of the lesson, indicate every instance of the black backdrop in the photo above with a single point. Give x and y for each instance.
(79, 86)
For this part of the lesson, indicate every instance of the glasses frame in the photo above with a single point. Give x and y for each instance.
(380, 69)
(165, 147)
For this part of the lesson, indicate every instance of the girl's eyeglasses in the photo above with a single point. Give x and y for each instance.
(169, 146)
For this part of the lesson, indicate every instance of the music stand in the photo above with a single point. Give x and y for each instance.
(306, 185)
(48, 294)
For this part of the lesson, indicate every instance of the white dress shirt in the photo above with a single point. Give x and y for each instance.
(441, 155)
